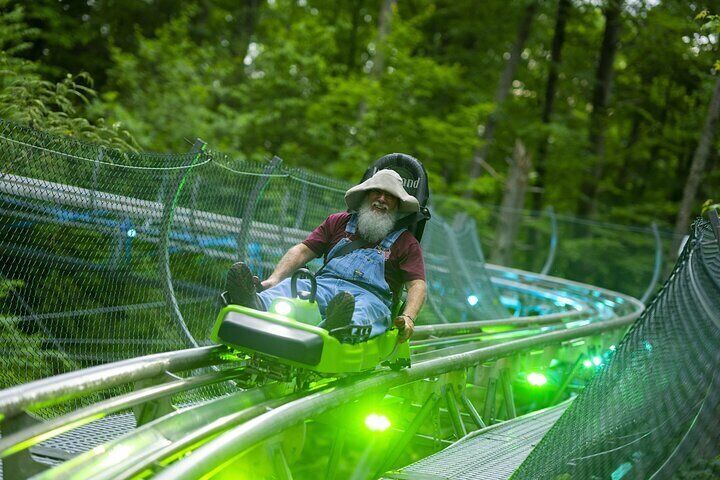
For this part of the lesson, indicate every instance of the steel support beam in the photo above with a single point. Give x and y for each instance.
(335, 454)
(472, 411)
(568, 378)
(508, 393)
(453, 412)
(54, 390)
(280, 463)
(406, 437)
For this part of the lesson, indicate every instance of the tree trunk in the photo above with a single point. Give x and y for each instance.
(550, 87)
(246, 24)
(356, 6)
(697, 169)
(387, 9)
(513, 200)
(480, 155)
(600, 101)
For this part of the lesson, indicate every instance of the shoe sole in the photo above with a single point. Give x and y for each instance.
(240, 286)
(340, 311)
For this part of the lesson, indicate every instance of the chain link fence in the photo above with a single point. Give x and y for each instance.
(628, 259)
(107, 255)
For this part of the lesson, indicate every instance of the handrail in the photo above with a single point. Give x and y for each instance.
(168, 434)
(29, 437)
(234, 442)
(570, 283)
(54, 390)
(425, 331)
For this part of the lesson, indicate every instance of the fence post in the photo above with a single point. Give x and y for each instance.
(658, 264)
(553, 242)
(169, 204)
(251, 205)
(712, 215)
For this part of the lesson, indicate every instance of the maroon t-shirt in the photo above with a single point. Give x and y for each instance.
(404, 264)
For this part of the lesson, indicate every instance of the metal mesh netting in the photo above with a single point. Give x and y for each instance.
(88, 235)
(655, 405)
(459, 288)
(617, 257)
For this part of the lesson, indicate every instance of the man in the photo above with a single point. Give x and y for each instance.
(367, 261)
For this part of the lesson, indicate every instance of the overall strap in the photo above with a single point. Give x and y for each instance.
(345, 249)
(349, 246)
(390, 239)
(351, 227)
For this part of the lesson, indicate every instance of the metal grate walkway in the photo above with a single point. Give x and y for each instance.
(69, 444)
(492, 453)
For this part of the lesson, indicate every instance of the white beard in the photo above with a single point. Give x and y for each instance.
(373, 226)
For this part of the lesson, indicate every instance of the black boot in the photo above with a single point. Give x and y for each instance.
(240, 287)
(339, 311)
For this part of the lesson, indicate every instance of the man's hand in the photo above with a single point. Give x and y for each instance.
(405, 326)
(293, 259)
(263, 285)
(405, 322)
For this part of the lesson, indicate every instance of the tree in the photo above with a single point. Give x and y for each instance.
(27, 97)
(550, 88)
(512, 203)
(384, 26)
(600, 101)
(700, 157)
(479, 160)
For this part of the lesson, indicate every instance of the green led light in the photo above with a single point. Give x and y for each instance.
(377, 423)
(597, 361)
(283, 308)
(587, 364)
(537, 379)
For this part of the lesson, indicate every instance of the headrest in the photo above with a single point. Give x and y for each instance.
(410, 169)
(415, 183)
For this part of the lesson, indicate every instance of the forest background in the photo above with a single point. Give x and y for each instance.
(603, 109)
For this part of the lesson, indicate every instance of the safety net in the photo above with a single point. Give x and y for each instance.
(620, 257)
(107, 255)
(653, 410)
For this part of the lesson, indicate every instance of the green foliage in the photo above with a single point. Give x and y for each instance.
(27, 97)
(712, 26)
(296, 79)
(23, 346)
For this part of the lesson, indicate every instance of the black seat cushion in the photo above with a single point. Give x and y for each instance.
(240, 330)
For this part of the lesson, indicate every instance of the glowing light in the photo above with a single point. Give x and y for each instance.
(473, 300)
(612, 348)
(597, 361)
(537, 379)
(132, 233)
(377, 423)
(587, 364)
(283, 308)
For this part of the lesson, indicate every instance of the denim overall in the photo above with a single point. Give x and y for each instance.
(360, 272)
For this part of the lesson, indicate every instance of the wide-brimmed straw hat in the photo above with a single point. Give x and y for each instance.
(388, 181)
